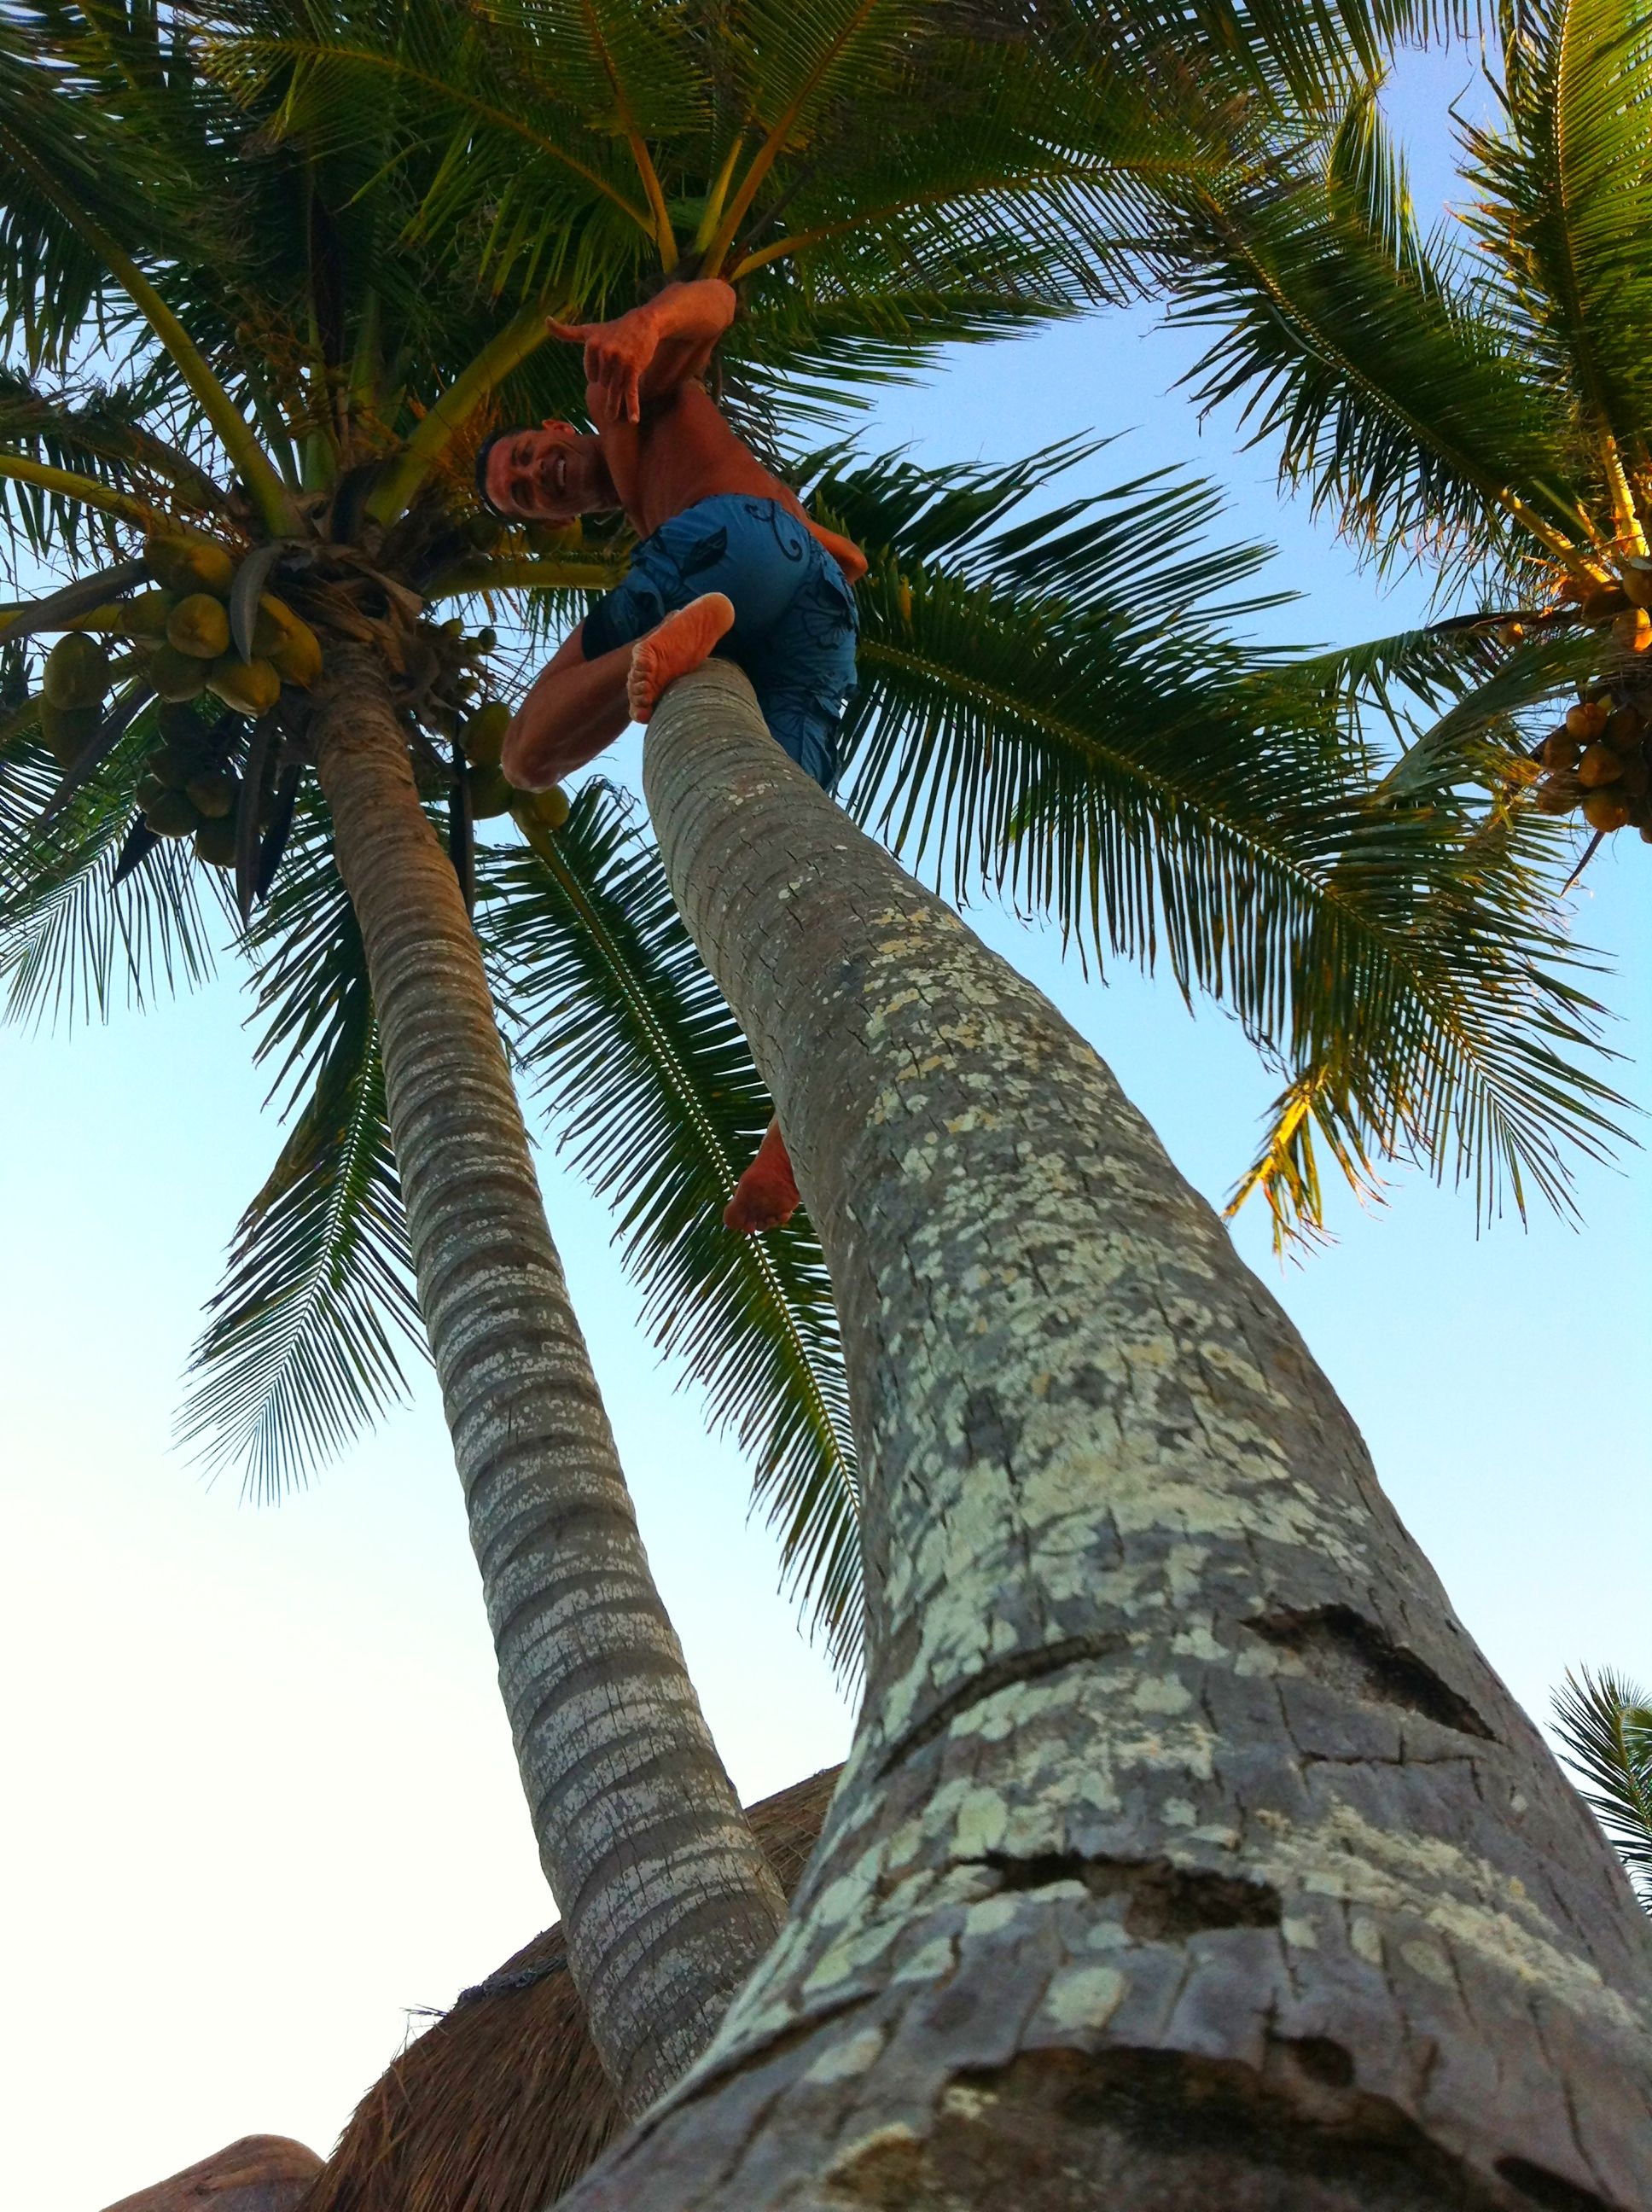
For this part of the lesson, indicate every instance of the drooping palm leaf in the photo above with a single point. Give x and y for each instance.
(1605, 1721)
(642, 1065)
(72, 943)
(1101, 752)
(303, 1345)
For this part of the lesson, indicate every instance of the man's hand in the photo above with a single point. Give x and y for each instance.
(647, 353)
(617, 357)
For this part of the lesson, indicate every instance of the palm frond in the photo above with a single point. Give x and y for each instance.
(662, 1108)
(1105, 754)
(1562, 196)
(1605, 1721)
(74, 943)
(301, 1351)
(1389, 376)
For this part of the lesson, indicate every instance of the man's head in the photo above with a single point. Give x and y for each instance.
(549, 474)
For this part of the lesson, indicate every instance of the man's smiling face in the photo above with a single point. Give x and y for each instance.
(549, 474)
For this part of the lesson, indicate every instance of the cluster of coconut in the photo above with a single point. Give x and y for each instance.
(181, 643)
(1600, 761)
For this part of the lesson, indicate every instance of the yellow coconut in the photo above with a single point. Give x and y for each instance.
(77, 671)
(1561, 750)
(185, 562)
(287, 641)
(490, 794)
(1588, 719)
(1604, 809)
(1633, 630)
(144, 615)
(198, 625)
(1637, 581)
(1599, 765)
(250, 687)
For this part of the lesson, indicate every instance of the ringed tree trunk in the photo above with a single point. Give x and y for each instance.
(1189, 1855)
(666, 1897)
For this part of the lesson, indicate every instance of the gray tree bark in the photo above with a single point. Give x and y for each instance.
(1189, 1854)
(666, 1895)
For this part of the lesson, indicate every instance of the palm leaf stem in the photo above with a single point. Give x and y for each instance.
(256, 471)
(521, 572)
(523, 335)
(648, 175)
(87, 490)
(717, 198)
(775, 144)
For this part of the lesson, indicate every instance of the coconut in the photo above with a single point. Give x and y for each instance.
(287, 641)
(185, 562)
(250, 687)
(484, 734)
(177, 676)
(490, 794)
(1599, 765)
(198, 625)
(1604, 809)
(550, 808)
(172, 814)
(1588, 719)
(213, 793)
(1561, 750)
(214, 842)
(67, 731)
(77, 671)
(1633, 630)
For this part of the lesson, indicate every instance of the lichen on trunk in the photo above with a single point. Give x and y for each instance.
(666, 1896)
(1189, 1853)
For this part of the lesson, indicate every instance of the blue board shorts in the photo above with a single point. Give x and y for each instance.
(795, 625)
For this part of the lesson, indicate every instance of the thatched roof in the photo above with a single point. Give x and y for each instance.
(502, 2104)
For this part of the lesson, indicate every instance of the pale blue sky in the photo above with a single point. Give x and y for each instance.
(261, 1788)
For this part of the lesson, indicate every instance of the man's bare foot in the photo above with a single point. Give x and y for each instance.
(683, 641)
(765, 1196)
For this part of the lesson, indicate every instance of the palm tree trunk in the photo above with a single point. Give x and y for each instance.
(1189, 1854)
(666, 1898)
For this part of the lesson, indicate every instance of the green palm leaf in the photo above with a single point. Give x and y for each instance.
(73, 943)
(302, 1343)
(1388, 375)
(1605, 1721)
(661, 1108)
(1107, 755)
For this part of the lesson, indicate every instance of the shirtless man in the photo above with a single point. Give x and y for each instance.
(728, 563)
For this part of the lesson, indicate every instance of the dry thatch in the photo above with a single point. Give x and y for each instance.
(502, 2104)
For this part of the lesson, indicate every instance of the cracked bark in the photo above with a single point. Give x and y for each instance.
(1189, 1853)
(666, 1895)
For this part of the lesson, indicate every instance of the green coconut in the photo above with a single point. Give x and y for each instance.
(77, 671)
(67, 731)
(213, 793)
(484, 734)
(172, 814)
(177, 676)
(214, 841)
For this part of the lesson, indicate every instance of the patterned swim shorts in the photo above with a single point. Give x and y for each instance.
(795, 625)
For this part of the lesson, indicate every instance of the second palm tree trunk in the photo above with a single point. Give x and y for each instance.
(666, 1896)
(1189, 1858)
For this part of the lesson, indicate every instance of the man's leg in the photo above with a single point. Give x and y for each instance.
(577, 707)
(765, 1196)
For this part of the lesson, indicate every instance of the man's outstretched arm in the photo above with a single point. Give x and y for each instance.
(642, 357)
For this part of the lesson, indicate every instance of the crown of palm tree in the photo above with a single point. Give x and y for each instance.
(276, 268)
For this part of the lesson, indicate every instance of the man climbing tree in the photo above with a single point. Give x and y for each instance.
(728, 563)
